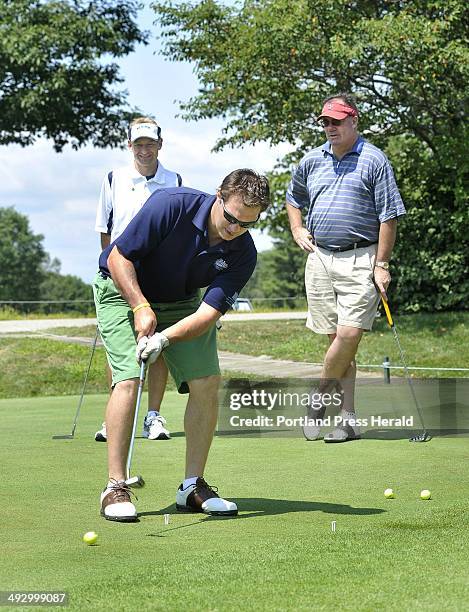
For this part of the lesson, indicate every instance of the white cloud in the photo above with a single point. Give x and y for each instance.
(59, 191)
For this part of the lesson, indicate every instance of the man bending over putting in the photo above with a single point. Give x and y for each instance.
(147, 303)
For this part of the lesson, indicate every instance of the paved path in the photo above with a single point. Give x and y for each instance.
(267, 366)
(31, 325)
(262, 365)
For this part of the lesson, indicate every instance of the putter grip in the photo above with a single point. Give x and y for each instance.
(387, 311)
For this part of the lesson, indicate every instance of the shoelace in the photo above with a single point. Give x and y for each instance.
(151, 420)
(205, 484)
(120, 488)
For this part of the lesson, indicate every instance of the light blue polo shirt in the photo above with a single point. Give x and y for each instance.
(347, 199)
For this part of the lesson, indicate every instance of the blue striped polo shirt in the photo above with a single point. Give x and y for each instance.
(349, 198)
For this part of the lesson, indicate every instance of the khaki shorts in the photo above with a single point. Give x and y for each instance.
(340, 289)
(186, 361)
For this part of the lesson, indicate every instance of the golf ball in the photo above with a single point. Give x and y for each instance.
(389, 494)
(425, 494)
(90, 538)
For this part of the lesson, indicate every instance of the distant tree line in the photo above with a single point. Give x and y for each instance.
(27, 273)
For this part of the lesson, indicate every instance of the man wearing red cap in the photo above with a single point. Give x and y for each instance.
(348, 188)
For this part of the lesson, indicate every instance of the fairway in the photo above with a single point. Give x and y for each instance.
(278, 554)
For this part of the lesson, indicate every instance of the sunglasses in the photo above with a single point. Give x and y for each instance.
(235, 221)
(327, 122)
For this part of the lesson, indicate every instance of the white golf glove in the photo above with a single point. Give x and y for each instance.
(149, 349)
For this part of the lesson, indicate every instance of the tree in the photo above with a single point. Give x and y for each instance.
(265, 66)
(432, 251)
(279, 274)
(56, 79)
(27, 273)
(21, 258)
(59, 287)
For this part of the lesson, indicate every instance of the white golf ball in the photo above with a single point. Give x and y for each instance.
(389, 494)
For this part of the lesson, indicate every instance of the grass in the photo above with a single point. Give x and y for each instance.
(440, 340)
(428, 340)
(40, 367)
(279, 554)
(58, 367)
(431, 340)
(11, 314)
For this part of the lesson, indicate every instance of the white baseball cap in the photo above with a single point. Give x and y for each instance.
(144, 130)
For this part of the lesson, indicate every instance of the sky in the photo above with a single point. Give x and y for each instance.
(59, 191)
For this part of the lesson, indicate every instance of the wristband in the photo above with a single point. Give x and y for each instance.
(142, 305)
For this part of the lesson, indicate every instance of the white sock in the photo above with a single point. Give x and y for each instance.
(112, 483)
(189, 481)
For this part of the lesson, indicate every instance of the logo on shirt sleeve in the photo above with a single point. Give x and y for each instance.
(220, 264)
(231, 299)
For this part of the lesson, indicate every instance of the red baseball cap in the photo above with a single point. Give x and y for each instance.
(337, 110)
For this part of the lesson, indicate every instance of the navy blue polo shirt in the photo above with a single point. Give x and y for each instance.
(167, 241)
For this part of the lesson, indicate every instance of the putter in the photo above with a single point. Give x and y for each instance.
(424, 436)
(71, 435)
(135, 481)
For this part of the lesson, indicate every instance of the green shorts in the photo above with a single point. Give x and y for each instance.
(186, 361)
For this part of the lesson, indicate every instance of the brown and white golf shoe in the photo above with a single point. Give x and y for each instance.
(201, 497)
(116, 504)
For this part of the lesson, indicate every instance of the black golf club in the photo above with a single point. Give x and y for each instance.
(135, 481)
(71, 435)
(424, 436)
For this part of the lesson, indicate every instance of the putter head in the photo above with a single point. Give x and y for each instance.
(65, 437)
(421, 437)
(135, 482)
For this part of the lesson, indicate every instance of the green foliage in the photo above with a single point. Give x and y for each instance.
(289, 339)
(21, 257)
(265, 67)
(59, 287)
(27, 272)
(279, 273)
(431, 255)
(55, 75)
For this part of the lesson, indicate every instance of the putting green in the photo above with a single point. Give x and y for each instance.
(278, 554)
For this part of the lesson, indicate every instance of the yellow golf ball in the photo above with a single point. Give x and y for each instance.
(425, 494)
(90, 538)
(389, 494)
